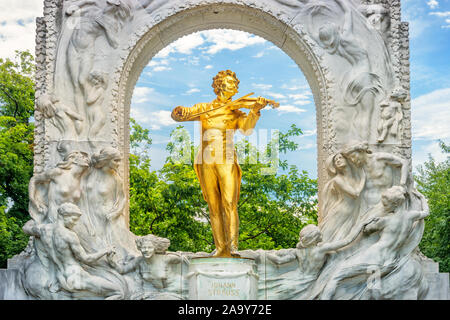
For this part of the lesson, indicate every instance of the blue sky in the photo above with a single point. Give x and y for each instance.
(181, 74)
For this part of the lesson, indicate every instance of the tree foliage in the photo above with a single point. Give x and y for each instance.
(433, 181)
(16, 151)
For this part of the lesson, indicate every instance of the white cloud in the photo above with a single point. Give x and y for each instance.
(209, 66)
(18, 26)
(309, 133)
(440, 14)
(300, 96)
(155, 120)
(262, 86)
(433, 4)
(431, 115)
(141, 94)
(230, 40)
(302, 102)
(276, 95)
(211, 42)
(290, 109)
(443, 14)
(161, 68)
(191, 91)
(259, 55)
(183, 45)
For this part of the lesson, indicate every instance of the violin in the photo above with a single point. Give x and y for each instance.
(242, 102)
(248, 103)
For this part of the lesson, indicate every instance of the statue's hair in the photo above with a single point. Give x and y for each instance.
(395, 195)
(106, 154)
(69, 158)
(141, 240)
(308, 235)
(99, 76)
(218, 80)
(69, 209)
(160, 244)
(330, 164)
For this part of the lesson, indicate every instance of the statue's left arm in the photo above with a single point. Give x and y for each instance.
(247, 122)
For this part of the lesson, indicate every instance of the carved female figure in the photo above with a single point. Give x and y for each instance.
(62, 184)
(93, 21)
(152, 266)
(387, 255)
(311, 254)
(59, 115)
(360, 85)
(341, 193)
(97, 83)
(106, 196)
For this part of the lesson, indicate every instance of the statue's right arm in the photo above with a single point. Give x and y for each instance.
(31, 229)
(39, 178)
(181, 113)
(280, 259)
(81, 254)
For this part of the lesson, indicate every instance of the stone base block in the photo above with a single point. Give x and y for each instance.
(222, 279)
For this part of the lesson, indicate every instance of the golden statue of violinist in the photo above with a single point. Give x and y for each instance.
(216, 163)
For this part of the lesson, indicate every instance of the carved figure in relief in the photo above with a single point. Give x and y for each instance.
(341, 198)
(381, 171)
(152, 5)
(60, 185)
(360, 85)
(59, 115)
(311, 254)
(106, 197)
(387, 255)
(391, 115)
(378, 16)
(152, 266)
(93, 21)
(66, 253)
(96, 114)
(216, 163)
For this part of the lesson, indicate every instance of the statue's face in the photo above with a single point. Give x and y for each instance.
(70, 220)
(357, 158)
(81, 159)
(115, 162)
(340, 162)
(229, 86)
(147, 250)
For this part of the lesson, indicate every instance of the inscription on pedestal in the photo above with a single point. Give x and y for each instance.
(222, 279)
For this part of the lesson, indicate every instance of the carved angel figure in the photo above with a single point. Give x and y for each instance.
(64, 250)
(93, 20)
(391, 115)
(95, 90)
(106, 197)
(60, 185)
(383, 170)
(152, 267)
(388, 256)
(311, 254)
(60, 116)
(341, 207)
(360, 84)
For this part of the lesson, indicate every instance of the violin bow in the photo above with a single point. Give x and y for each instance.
(225, 105)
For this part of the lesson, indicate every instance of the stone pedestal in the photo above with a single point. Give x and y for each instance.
(222, 279)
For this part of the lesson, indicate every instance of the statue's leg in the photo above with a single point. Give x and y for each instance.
(229, 184)
(210, 185)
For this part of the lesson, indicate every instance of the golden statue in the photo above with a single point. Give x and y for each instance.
(216, 163)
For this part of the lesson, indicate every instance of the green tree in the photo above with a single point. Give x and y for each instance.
(16, 151)
(433, 181)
